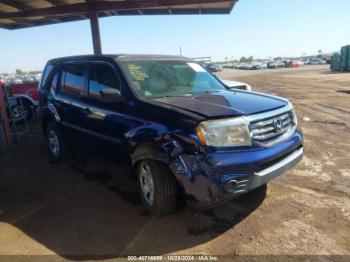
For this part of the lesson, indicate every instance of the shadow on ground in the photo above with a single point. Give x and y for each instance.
(345, 91)
(88, 208)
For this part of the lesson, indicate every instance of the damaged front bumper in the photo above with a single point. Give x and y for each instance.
(221, 176)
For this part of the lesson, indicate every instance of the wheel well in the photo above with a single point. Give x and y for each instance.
(149, 150)
(26, 101)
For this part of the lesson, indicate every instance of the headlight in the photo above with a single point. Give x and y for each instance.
(224, 132)
(294, 117)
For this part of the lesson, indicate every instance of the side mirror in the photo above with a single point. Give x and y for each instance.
(111, 95)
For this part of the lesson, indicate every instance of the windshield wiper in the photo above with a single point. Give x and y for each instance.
(174, 95)
(188, 94)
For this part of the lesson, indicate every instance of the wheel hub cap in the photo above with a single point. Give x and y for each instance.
(54, 142)
(146, 182)
(19, 111)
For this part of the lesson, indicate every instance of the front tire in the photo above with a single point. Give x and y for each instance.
(54, 141)
(158, 187)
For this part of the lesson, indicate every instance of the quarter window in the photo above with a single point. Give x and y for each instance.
(102, 76)
(55, 81)
(72, 79)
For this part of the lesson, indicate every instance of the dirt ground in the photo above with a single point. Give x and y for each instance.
(89, 206)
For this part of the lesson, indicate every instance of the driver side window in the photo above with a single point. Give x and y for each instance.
(102, 76)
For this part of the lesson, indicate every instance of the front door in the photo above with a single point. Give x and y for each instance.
(104, 121)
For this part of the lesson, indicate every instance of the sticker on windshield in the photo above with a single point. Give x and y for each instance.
(196, 67)
(136, 72)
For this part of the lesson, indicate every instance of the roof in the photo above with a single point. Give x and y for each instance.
(129, 57)
(16, 14)
(120, 57)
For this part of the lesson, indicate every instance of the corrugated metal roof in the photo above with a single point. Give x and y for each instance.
(15, 14)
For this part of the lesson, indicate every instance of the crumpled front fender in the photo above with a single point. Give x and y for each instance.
(196, 176)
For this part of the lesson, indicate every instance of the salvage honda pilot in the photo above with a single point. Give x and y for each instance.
(183, 131)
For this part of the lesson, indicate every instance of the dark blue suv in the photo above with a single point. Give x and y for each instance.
(183, 131)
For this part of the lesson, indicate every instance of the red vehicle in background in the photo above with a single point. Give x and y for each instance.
(293, 63)
(30, 98)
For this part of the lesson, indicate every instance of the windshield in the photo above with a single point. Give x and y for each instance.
(155, 79)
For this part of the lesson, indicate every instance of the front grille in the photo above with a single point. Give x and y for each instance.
(268, 130)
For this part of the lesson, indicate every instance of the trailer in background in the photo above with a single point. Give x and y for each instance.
(341, 62)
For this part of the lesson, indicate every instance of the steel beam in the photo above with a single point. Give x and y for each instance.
(95, 32)
(16, 4)
(99, 6)
(56, 2)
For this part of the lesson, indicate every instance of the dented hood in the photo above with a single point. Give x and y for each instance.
(224, 103)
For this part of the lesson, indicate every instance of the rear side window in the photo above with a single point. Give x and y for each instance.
(72, 79)
(102, 76)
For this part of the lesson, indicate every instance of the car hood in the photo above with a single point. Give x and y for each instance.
(225, 103)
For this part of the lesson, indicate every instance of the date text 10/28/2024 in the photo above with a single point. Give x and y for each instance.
(173, 258)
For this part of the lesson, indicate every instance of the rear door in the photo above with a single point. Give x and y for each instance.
(68, 95)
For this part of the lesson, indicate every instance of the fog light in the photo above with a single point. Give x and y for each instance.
(230, 186)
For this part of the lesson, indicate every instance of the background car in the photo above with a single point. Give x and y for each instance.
(275, 64)
(246, 66)
(292, 63)
(258, 66)
(316, 61)
(30, 98)
(212, 68)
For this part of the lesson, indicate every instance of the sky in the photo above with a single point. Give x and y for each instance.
(261, 28)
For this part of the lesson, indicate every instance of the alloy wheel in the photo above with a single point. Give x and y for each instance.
(146, 183)
(54, 142)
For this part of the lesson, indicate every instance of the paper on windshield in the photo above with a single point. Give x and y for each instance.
(136, 72)
(196, 67)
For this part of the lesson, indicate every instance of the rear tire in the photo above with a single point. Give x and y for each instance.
(158, 187)
(54, 141)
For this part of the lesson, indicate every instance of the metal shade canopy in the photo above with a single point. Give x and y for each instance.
(16, 14)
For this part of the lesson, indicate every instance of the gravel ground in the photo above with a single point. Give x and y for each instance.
(88, 206)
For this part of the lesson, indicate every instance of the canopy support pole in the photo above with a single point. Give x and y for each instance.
(95, 32)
